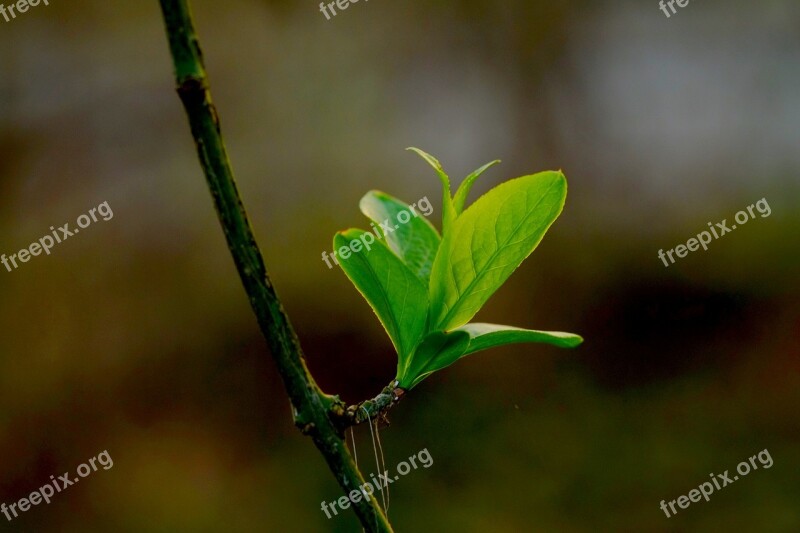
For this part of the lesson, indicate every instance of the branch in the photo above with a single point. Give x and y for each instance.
(311, 406)
(378, 407)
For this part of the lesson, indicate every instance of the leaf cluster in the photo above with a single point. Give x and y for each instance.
(425, 287)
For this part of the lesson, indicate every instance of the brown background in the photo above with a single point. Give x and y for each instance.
(135, 336)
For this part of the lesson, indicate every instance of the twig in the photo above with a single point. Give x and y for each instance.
(377, 407)
(311, 407)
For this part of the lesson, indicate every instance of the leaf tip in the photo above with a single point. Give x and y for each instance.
(346, 233)
(374, 193)
(576, 341)
(432, 161)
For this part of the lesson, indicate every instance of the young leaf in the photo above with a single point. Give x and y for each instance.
(488, 242)
(438, 350)
(484, 336)
(466, 186)
(441, 349)
(394, 292)
(448, 211)
(415, 242)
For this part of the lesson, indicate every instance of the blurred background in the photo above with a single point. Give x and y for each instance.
(136, 337)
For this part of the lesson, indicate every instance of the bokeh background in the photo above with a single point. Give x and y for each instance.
(135, 336)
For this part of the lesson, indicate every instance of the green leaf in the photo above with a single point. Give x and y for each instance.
(448, 210)
(488, 242)
(415, 242)
(484, 336)
(398, 297)
(438, 350)
(466, 186)
(441, 349)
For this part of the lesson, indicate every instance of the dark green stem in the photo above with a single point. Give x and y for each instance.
(311, 407)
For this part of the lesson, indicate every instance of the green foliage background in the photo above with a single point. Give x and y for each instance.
(135, 336)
